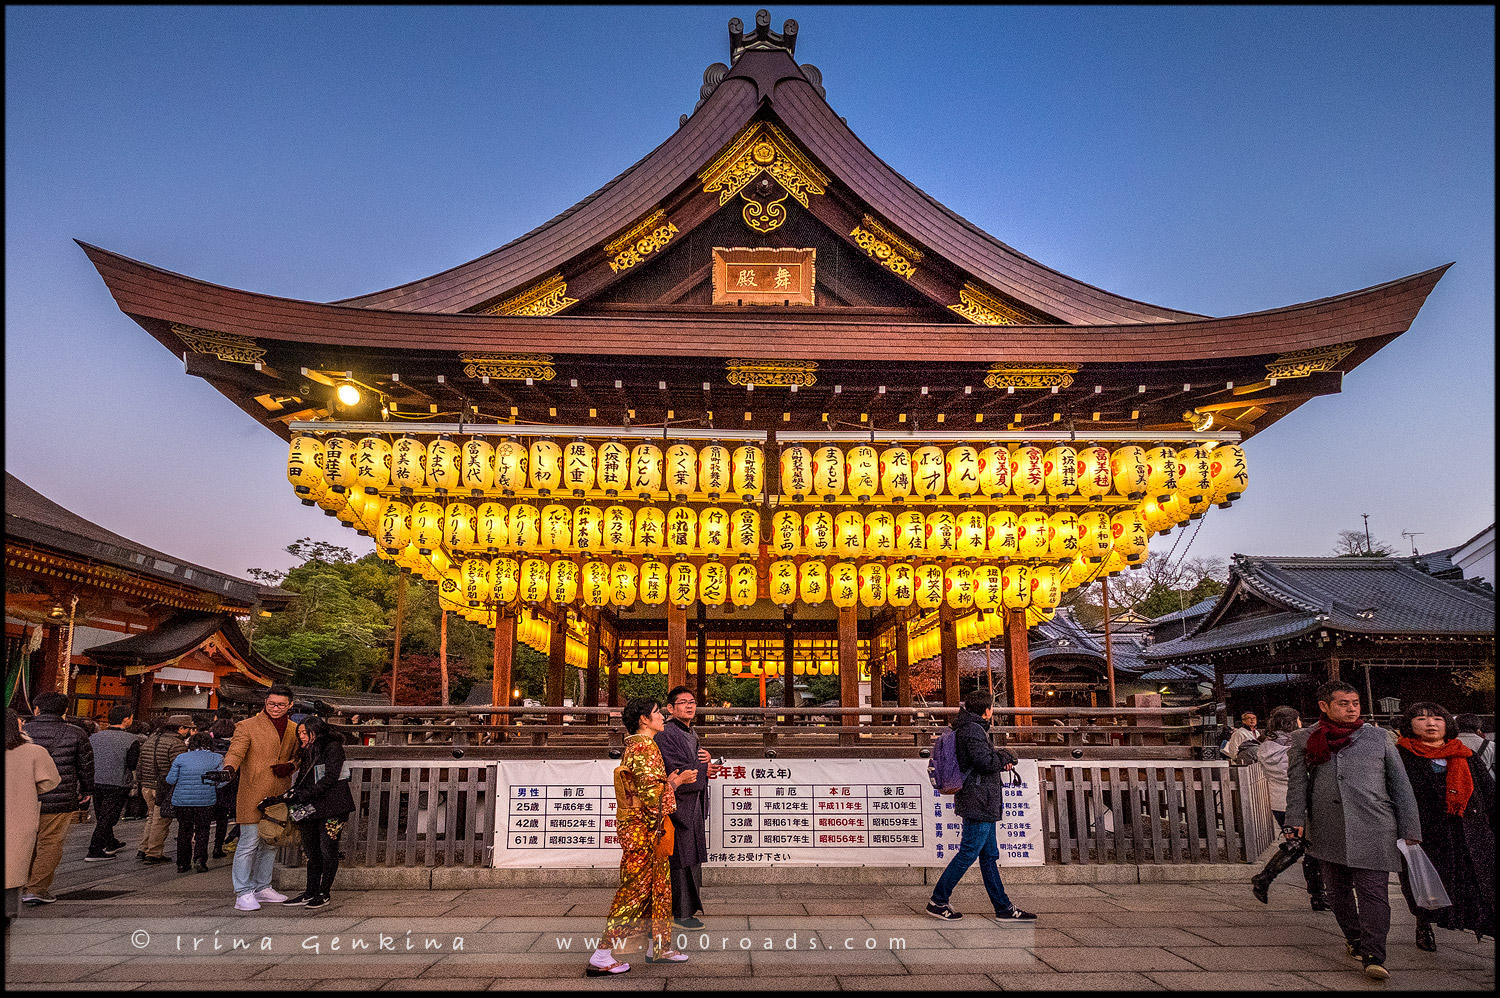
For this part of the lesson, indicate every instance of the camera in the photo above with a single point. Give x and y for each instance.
(218, 777)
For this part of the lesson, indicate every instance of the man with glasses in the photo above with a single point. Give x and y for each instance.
(263, 751)
(679, 750)
(1348, 794)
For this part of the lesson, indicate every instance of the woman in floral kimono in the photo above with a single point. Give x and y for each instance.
(644, 793)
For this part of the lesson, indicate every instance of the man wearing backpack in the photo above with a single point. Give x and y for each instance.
(980, 802)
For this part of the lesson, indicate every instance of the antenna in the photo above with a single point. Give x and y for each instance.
(1412, 534)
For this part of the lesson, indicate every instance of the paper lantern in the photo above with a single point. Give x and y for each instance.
(971, 530)
(942, 533)
(1128, 531)
(331, 502)
(338, 463)
(1130, 474)
(1078, 572)
(408, 463)
(862, 472)
(1175, 508)
(713, 531)
(872, 584)
(525, 527)
(650, 530)
(578, 467)
(477, 463)
(505, 577)
(782, 577)
(895, 472)
(1195, 480)
(1028, 472)
(556, 527)
(744, 531)
(1062, 535)
(843, 584)
(1094, 478)
(682, 530)
(1155, 518)
(796, 472)
(304, 465)
(611, 466)
(1003, 534)
(929, 472)
(682, 583)
(714, 471)
(393, 526)
(1114, 564)
(911, 532)
(408, 558)
(440, 562)
(588, 528)
(546, 466)
(958, 586)
(828, 472)
(743, 585)
(533, 584)
(681, 470)
(994, 471)
(929, 585)
(624, 579)
(475, 573)
(786, 532)
(988, 586)
(1227, 467)
(451, 592)
(961, 465)
(646, 462)
(1095, 536)
(848, 534)
(748, 472)
(1060, 471)
(562, 582)
(812, 582)
(1031, 534)
(817, 532)
(372, 464)
(653, 585)
(444, 460)
(713, 583)
(900, 584)
(880, 533)
(510, 466)
(1015, 587)
(1161, 472)
(427, 526)
(460, 521)
(618, 530)
(1046, 587)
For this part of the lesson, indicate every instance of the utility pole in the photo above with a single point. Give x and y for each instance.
(1367, 532)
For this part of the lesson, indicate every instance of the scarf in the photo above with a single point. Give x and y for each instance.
(1460, 780)
(1327, 738)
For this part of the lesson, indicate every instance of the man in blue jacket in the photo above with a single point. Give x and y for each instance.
(980, 803)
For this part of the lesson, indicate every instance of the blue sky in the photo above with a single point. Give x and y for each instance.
(1218, 160)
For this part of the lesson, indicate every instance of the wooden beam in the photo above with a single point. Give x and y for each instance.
(849, 663)
(1017, 663)
(676, 645)
(948, 644)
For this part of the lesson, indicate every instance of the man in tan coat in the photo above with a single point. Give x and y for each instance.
(264, 752)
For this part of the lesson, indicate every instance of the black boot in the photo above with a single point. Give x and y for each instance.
(1312, 872)
(1425, 938)
(1286, 854)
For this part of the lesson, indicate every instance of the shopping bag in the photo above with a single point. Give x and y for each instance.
(1426, 885)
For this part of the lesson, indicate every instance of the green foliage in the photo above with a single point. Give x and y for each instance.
(822, 688)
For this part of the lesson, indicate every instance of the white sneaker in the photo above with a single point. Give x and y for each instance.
(246, 902)
(270, 895)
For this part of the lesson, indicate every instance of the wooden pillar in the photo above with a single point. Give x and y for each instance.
(849, 663)
(1332, 669)
(143, 694)
(877, 673)
(700, 682)
(500, 669)
(1109, 661)
(54, 671)
(400, 618)
(676, 645)
(557, 658)
(788, 654)
(1017, 664)
(613, 690)
(443, 659)
(1369, 695)
(948, 643)
(591, 674)
(903, 667)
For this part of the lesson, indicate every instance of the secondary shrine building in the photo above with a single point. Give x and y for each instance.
(759, 405)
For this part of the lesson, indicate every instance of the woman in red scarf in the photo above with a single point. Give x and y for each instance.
(1455, 798)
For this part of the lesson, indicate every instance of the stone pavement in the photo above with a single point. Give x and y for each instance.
(158, 929)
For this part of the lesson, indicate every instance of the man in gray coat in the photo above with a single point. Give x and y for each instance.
(679, 750)
(1348, 794)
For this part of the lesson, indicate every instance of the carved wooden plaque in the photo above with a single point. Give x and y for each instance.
(765, 276)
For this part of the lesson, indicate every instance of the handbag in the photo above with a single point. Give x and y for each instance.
(666, 835)
(1426, 886)
(273, 824)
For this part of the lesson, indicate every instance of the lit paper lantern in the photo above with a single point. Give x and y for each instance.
(611, 467)
(743, 585)
(1113, 565)
(796, 472)
(562, 582)
(372, 464)
(510, 466)
(1157, 520)
(653, 585)
(1127, 530)
(304, 465)
(525, 527)
(828, 472)
(440, 563)
(650, 530)
(533, 580)
(994, 471)
(782, 577)
(843, 584)
(588, 528)
(872, 584)
(338, 463)
(427, 526)
(478, 466)
(1031, 534)
(1094, 478)
(895, 472)
(713, 583)
(1129, 473)
(786, 532)
(393, 526)
(1195, 480)
(1226, 465)
(714, 471)
(331, 502)
(408, 463)
(1015, 587)
(1095, 535)
(624, 579)
(880, 533)
(493, 535)
(682, 530)
(848, 534)
(1046, 587)
(958, 586)
(748, 471)
(961, 465)
(1028, 472)
(817, 532)
(942, 533)
(451, 592)
(682, 583)
(1062, 535)
(646, 462)
(713, 531)
(929, 585)
(1175, 508)
(578, 467)
(444, 465)
(929, 474)
(459, 523)
(618, 529)
(546, 466)
(475, 573)
(911, 532)
(556, 527)
(862, 472)
(1060, 471)
(900, 584)
(1078, 572)
(409, 559)
(681, 470)
(744, 531)
(1161, 472)
(971, 528)
(988, 586)
(812, 582)
(505, 578)
(1003, 534)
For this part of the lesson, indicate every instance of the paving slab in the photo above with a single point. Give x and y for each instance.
(628, 981)
(1145, 935)
(1262, 958)
(385, 966)
(1208, 980)
(1326, 933)
(916, 982)
(1428, 981)
(785, 985)
(954, 961)
(782, 964)
(197, 969)
(1108, 980)
(1080, 958)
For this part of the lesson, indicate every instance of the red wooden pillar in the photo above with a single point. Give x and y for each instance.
(1017, 663)
(505, 650)
(676, 645)
(788, 658)
(849, 663)
(948, 643)
(591, 676)
(557, 657)
(903, 667)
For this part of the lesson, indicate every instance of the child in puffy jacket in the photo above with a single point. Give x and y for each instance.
(193, 800)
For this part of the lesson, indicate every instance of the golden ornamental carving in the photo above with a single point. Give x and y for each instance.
(647, 236)
(229, 347)
(983, 308)
(1022, 375)
(772, 373)
(509, 366)
(886, 248)
(1301, 363)
(547, 298)
(762, 148)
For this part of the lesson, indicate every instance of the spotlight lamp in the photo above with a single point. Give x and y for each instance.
(348, 394)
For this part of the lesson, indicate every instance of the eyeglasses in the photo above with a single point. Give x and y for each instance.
(277, 705)
(683, 702)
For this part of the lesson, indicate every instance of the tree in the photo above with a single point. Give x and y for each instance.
(1160, 586)
(1352, 544)
(419, 682)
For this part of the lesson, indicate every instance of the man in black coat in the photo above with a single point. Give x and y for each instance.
(70, 750)
(980, 803)
(679, 750)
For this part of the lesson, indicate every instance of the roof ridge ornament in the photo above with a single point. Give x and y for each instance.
(762, 39)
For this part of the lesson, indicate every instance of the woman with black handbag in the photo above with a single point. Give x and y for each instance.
(320, 803)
